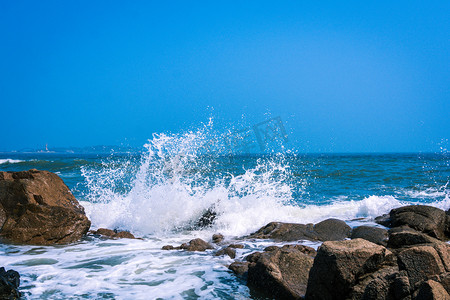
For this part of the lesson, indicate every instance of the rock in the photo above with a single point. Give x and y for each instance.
(207, 219)
(405, 236)
(239, 268)
(168, 247)
(236, 246)
(384, 220)
(431, 290)
(9, 284)
(420, 262)
(427, 219)
(37, 208)
(231, 252)
(217, 238)
(372, 234)
(280, 273)
(332, 230)
(286, 232)
(114, 234)
(196, 245)
(340, 264)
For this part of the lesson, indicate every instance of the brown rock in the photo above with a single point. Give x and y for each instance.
(196, 245)
(38, 208)
(420, 262)
(432, 290)
(405, 236)
(280, 273)
(114, 234)
(168, 247)
(105, 232)
(217, 238)
(239, 268)
(330, 229)
(227, 251)
(372, 234)
(124, 235)
(340, 264)
(427, 219)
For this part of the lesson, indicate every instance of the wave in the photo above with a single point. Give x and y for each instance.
(10, 161)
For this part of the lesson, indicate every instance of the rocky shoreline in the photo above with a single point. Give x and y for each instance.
(408, 260)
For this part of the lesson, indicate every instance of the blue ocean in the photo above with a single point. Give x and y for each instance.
(160, 191)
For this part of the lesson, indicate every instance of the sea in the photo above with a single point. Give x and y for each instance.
(159, 193)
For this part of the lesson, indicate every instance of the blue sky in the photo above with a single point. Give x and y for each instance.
(344, 77)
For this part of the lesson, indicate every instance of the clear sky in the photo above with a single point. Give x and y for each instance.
(344, 76)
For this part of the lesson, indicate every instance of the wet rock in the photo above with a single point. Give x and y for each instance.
(207, 219)
(340, 264)
(38, 208)
(239, 268)
(427, 219)
(9, 284)
(196, 245)
(217, 238)
(236, 246)
(192, 245)
(280, 273)
(420, 262)
(115, 234)
(431, 290)
(372, 234)
(330, 229)
(231, 252)
(168, 247)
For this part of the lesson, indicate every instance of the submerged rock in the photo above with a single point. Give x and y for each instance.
(36, 207)
(9, 284)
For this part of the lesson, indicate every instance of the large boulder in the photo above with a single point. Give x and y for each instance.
(327, 230)
(36, 207)
(427, 219)
(9, 284)
(281, 273)
(339, 265)
(431, 290)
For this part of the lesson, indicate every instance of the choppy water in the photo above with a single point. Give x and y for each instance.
(159, 194)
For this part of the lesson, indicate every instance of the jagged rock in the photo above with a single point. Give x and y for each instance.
(340, 264)
(281, 273)
(9, 284)
(427, 219)
(420, 262)
(330, 229)
(217, 238)
(113, 233)
(372, 234)
(38, 208)
(431, 290)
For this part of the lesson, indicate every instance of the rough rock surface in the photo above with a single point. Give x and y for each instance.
(36, 207)
(328, 230)
(431, 290)
(281, 273)
(9, 284)
(193, 245)
(427, 219)
(372, 234)
(340, 264)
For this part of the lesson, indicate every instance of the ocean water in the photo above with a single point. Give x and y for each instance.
(160, 192)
